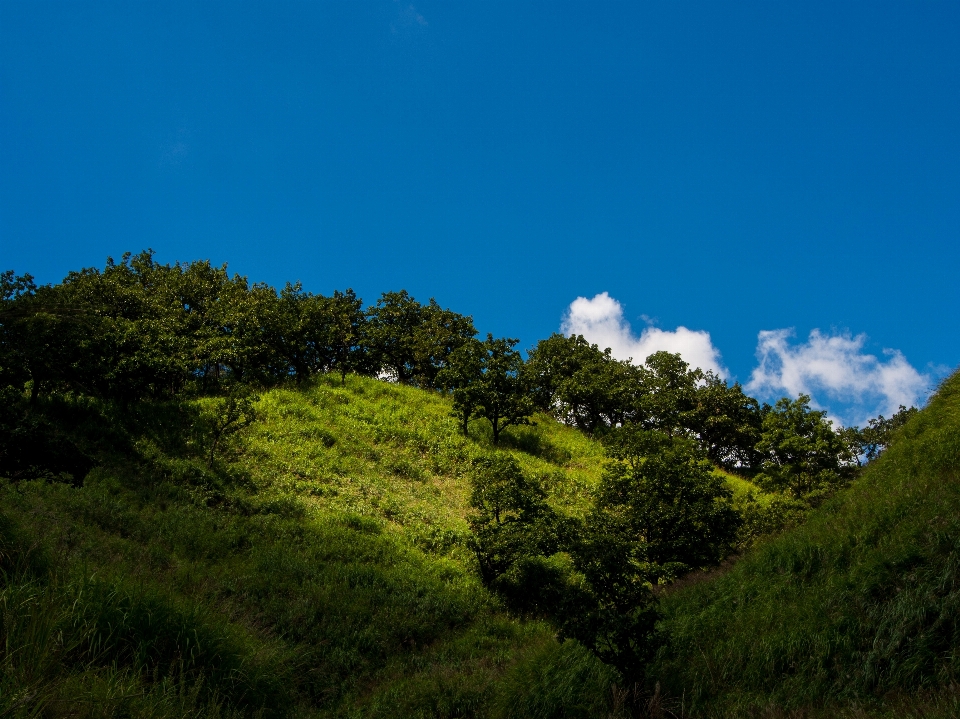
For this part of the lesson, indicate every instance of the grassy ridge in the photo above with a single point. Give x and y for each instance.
(318, 569)
(859, 603)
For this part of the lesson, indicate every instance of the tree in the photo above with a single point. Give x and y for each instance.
(501, 394)
(251, 328)
(669, 394)
(298, 331)
(411, 340)
(463, 377)
(229, 415)
(670, 498)
(507, 509)
(873, 439)
(659, 512)
(345, 329)
(581, 384)
(439, 333)
(727, 423)
(390, 327)
(801, 452)
(548, 366)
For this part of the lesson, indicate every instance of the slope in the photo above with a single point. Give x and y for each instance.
(316, 568)
(857, 611)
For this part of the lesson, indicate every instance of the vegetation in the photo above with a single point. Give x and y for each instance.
(213, 504)
(320, 566)
(856, 607)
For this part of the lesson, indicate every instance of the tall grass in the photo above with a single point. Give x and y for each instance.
(860, 602)
(316, 568)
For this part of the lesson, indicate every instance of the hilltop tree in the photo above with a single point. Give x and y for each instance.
(501, 394)
(298, 328)
(548, 366)
(463, 377)
(411, 340)
(345, 330)
(801, 452)
(726, 422)
(669, 395)
(251, 354)
(580, 383)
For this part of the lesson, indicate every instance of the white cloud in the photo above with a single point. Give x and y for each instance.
(836, 366)
(600, 320)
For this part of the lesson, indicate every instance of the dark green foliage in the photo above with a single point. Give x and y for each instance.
(873, 439)
(668, 400)
(727, 424)
(229, 415)
(585, 386)
(801, 452)
(659, 513)
(663, 494)
(139, 329)
(413, 341)
(462, 377)
(511, 519)
(501, 394)
(581, 384)
(487, 379)
(296, 331)
(344, 337)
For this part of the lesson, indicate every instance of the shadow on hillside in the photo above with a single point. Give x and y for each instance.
(531, 440)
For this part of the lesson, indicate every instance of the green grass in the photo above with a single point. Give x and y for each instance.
(318, 568)
(858, 607)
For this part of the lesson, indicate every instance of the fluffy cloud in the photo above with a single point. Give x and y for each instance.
(836, 366)
(600, 320)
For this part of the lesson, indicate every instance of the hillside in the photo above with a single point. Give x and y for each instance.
(857, 612)
(317, 568)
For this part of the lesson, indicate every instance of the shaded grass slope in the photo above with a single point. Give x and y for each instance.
(856, 610)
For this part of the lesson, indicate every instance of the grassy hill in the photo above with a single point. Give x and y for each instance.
(855, 613)
(318, 568)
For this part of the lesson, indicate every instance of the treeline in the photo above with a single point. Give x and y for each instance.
(139, 330)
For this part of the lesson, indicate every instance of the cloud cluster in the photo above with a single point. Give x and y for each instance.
(836, 367)
(600, 320)
(833, 369)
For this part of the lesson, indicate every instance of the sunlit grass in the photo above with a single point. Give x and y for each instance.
(318, 567)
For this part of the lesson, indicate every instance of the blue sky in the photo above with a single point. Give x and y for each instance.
(729, 168)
